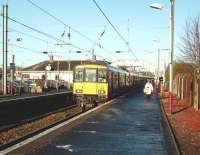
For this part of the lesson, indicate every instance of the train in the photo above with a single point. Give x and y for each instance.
(94, 83)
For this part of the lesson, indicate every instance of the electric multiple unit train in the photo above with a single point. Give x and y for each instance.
(94, 83)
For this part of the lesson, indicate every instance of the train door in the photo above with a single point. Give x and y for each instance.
(90, 81)
(115, 82)
(110, 83)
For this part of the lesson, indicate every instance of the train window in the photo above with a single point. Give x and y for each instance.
(78, 75)
(90, 75)
(102, 75)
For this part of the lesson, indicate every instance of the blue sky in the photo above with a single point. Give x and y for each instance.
(145, 24)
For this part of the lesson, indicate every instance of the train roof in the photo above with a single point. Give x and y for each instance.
(91, 66)
(117, 69)
(108, 66)
(113, 69)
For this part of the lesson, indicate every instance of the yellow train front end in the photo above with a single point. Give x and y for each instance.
(90, 85)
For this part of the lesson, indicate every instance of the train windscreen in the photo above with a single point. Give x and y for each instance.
(102, 75)
(78, 77)
(90, 75)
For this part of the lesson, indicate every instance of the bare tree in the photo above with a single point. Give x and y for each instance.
(190, 46)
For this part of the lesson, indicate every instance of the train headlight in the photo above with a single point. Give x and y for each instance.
(79, 90)
(101, 92)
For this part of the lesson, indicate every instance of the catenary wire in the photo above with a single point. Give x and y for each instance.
(45, 34)
(51, 36)
(119, 34)
(60, 21)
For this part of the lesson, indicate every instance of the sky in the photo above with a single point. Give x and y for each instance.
(135, 20)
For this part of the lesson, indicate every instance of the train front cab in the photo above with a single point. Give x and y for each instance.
(90, 85)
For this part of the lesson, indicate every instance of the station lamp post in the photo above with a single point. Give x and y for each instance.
(158, 59)
(5, 46)
(160, 7)
(158, 62)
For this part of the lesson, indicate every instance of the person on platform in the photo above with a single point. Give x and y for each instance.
(148, 89)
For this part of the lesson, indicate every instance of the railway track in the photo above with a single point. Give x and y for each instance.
(9, 127)
(71, 111)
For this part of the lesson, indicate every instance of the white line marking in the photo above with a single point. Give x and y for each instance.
(65, 147)
(79, 131)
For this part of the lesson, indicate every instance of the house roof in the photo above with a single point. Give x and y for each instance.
(62, 65)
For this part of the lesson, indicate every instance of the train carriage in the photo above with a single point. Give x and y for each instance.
(95, 83)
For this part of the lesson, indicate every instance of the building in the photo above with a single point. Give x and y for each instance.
(51, 70)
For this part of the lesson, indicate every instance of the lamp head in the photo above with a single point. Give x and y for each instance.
(156, 6)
